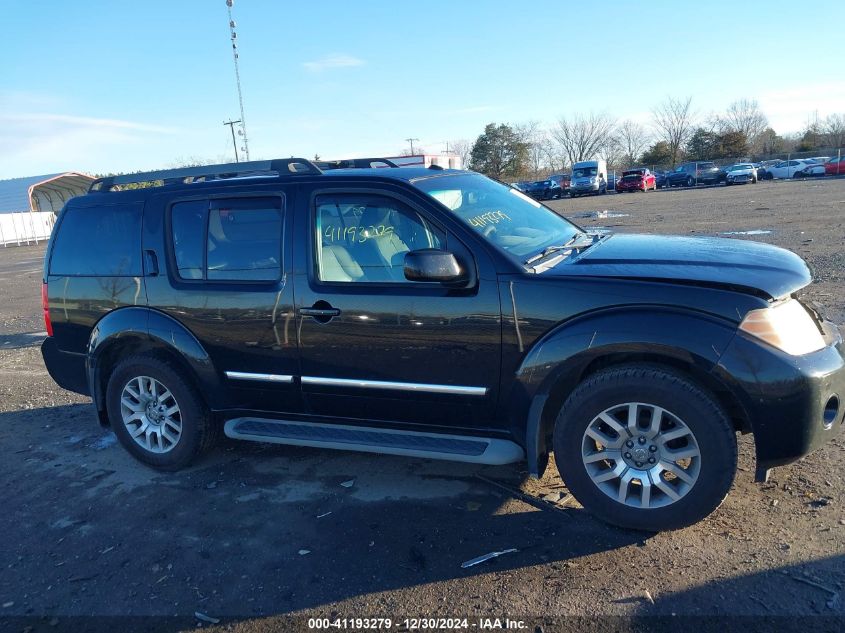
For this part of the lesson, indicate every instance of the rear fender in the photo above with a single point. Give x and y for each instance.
(564, 356)
(135, 329)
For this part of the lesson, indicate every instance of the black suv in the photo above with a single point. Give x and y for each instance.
(699, 173)
(434, 314)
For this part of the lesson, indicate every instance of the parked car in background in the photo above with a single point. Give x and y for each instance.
(564, 180)
(787, 169)
(543, 189)
(835, 166)
(818, 169)
(696, 173)
(588, 177)
(518, 185)
(661, 178)
(741, 173)
(636, 180)
(763, 169)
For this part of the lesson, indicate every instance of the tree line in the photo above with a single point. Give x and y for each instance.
(675, 133)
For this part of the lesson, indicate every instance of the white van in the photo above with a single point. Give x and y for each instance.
(588, 177)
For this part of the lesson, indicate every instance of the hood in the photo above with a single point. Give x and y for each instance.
(753, 267)
(744, 170)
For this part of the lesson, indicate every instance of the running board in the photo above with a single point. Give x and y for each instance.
(456, 448)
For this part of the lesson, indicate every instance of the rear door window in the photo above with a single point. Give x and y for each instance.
(102, 241)
(228, 239)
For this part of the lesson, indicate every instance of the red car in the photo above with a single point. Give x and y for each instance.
(636, 180)
(835, 167)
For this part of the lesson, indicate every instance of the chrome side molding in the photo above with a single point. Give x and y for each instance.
(394, 386)
(243, 375)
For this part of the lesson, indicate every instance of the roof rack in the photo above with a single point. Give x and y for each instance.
(354, 163)
(276, 167)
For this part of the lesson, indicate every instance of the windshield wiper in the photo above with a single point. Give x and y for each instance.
(577, 241)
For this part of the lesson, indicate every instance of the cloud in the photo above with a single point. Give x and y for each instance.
(44, 120)
(42, 142)
(330, 62)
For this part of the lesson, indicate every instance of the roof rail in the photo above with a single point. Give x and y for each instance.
(354, 163)
(276, 167)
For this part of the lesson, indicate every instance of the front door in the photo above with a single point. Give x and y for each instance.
(374, 346)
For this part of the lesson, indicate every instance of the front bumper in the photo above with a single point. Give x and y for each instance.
(626, 187)
(787, 398)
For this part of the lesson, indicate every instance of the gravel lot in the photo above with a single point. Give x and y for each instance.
(255, 533)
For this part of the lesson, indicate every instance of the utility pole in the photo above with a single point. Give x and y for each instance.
(411, 141)
(231, 125)
(234, 36)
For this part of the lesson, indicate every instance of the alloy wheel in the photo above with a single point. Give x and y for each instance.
(151, 414)
(641, 455)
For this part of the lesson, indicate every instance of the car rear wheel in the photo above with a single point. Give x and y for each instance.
(157, 415)
(645, 447)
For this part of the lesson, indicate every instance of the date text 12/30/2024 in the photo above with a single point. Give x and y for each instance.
(417, 624)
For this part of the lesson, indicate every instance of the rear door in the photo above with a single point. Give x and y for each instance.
(374, 346)
(223, 274)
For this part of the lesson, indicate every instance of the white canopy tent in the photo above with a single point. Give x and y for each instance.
(28, 206)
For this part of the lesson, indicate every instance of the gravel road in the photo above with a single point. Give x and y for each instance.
(254, 534)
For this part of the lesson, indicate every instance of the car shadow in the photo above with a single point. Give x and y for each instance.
(254, 530)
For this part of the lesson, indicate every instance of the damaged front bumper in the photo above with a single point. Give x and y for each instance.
(794, 404)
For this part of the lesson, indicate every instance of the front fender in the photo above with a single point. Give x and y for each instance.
(146, 329)
(557, 362)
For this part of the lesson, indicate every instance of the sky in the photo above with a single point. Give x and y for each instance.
(121, 85)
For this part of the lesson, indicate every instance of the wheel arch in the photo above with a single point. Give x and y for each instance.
(133, 330)
(572, 352)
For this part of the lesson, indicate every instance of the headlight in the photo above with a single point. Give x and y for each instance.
(787, 326)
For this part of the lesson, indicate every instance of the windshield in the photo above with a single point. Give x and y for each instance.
(584, 172)
(504, 216)
(739, 167)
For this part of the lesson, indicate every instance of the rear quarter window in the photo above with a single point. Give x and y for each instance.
(103, 241)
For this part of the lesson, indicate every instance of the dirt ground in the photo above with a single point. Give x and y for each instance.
(254, 534)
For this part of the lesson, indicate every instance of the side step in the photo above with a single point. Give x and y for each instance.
(457, 448)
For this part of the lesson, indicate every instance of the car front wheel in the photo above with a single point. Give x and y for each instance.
(645, 447)
(157, 415)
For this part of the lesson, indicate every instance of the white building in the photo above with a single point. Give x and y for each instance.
(446, 161)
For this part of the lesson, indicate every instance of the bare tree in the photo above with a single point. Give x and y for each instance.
(745, 116)
(461, 148)
(833, 129)
(583, 137)
(537, 141)
(673, 120)
(633, 140)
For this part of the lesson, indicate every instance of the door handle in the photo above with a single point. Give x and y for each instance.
(319, 312)
(151, 260)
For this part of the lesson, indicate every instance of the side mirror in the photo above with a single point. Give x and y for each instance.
(430, 264)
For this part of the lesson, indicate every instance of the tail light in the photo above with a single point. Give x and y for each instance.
(45, 306)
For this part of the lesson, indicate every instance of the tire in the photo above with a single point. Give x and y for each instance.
(197, 431)
(681, 400)
(690, 182)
